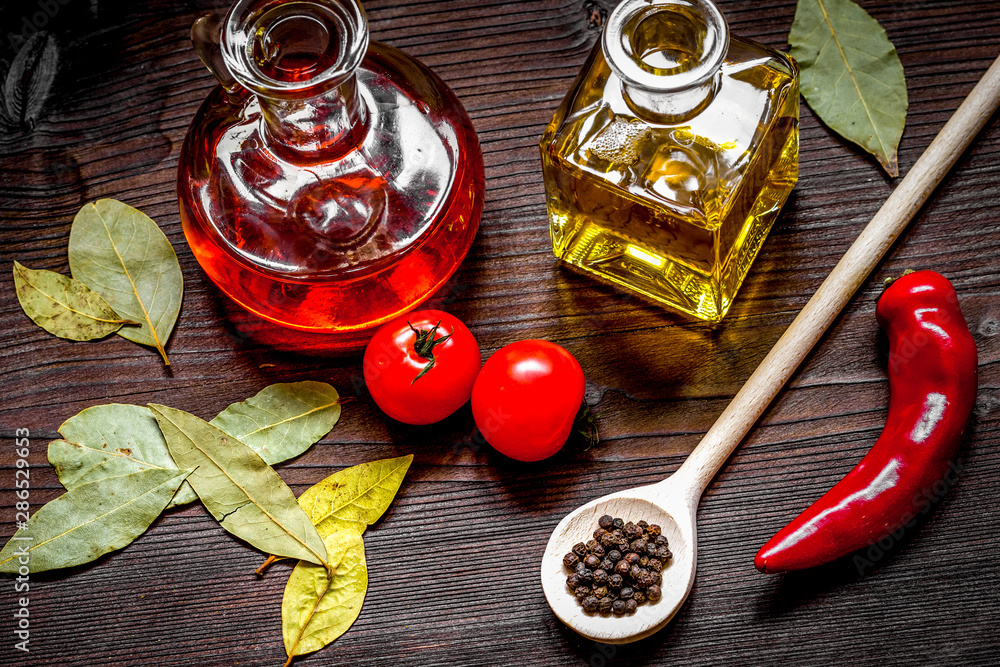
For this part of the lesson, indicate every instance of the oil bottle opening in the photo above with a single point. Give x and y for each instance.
(665, 45)
(294, 49)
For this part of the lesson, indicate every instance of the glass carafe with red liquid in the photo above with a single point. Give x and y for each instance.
(329, 183)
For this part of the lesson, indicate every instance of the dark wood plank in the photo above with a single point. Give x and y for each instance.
(454, 563)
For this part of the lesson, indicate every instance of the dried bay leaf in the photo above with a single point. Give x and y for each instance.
(116, 439)
(282, 420)
(316, 609)
(111, 440)
(851, 75)
(29, 80)
(64, 307)
(91, 520)
(358, 495)
(121, 254)
(244, 494)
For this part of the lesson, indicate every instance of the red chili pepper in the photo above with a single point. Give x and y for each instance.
(933, 367)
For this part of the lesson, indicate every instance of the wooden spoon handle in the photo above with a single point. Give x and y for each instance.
(838, 288)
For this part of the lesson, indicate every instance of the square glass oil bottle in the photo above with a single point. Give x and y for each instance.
(668, 161)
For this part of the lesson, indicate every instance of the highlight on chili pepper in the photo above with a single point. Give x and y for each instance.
(933, 368)
(527, 398)
(420, 367)
(619, 569)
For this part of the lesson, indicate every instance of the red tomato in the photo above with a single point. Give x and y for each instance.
(419, 371)
(526, 399)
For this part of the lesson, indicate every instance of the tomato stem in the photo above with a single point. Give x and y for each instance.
(424, 346)
(585, 428)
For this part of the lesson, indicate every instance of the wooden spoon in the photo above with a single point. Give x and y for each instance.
(673, 502)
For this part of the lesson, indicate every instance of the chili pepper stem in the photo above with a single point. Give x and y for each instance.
(887, 283)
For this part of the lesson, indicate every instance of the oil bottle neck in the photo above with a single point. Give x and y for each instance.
(673, 107)
(668, 55)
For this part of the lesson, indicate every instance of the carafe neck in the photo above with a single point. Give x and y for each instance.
(299, 58)
(322, 127)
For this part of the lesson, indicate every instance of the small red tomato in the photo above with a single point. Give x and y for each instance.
(420, 367)
(526, 399)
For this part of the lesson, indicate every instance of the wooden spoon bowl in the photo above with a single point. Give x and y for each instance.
(667, 504)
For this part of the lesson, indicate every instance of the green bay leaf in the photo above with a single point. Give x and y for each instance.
(851, 75)
(282, 420)
(64, 307)
(244, 494)
(121, 254)
(116, 439)
(91, 520)
(111, 440)
(316, 609)
(357, 496)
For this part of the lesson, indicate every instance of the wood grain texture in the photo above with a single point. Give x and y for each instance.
(184, 594)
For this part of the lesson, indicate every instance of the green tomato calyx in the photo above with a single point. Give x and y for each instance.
(425, 344)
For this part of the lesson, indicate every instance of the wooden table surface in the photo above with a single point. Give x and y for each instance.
(454, 563)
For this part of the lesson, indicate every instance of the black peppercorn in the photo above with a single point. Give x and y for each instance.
(619, 569)
(632, 531)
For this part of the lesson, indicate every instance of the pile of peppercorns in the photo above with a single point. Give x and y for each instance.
(620, 568)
